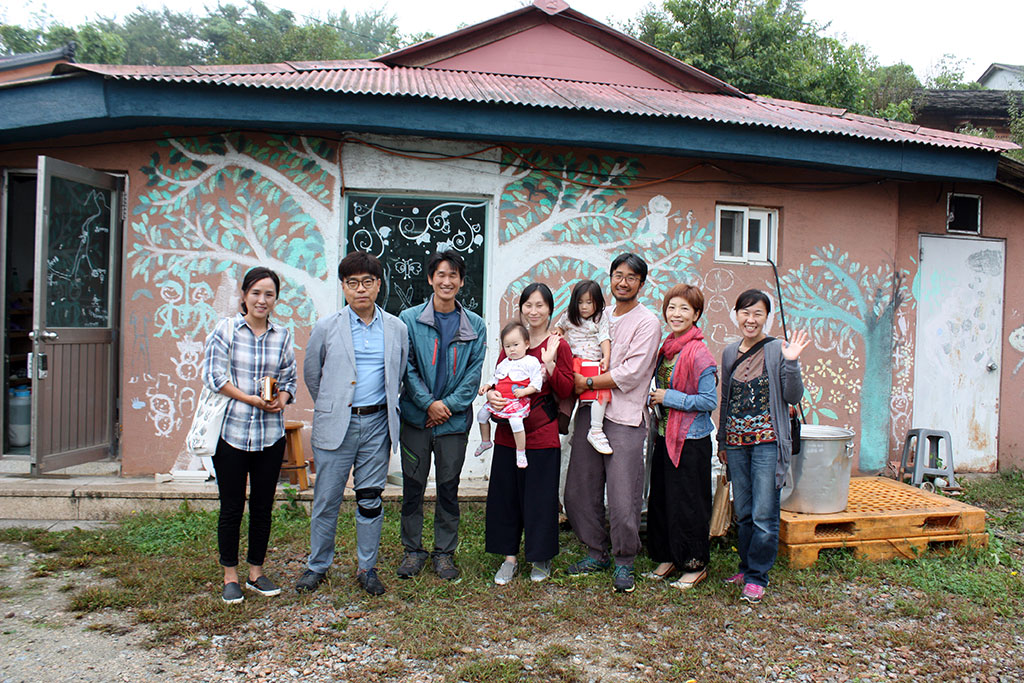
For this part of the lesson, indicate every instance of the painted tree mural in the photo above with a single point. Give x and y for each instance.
(226, 203)
(842, 302)
(565, 218)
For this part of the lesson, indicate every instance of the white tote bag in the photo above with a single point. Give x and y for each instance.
(209, 418)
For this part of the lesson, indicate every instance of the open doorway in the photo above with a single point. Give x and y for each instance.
(61, 229)
(19, 265)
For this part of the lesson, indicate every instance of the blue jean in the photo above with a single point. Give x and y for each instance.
(365, 452)
(756, 501)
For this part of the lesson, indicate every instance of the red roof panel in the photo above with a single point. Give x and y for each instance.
(374, 78)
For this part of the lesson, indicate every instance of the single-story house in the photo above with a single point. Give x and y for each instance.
(539, 145)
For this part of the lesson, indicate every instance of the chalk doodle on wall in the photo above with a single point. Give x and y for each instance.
(564, 225)
(845, 304)
(226, 203)
(213, 208)
(1016, 341)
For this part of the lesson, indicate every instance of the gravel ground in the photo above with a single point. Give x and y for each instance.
(840, 630)
(41, 641)
(858, 636)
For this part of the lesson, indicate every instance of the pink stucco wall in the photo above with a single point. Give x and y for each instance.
(534, 234)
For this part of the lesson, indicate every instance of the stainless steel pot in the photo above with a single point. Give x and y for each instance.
(820, 473)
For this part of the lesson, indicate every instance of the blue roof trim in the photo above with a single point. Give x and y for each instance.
(92, 104)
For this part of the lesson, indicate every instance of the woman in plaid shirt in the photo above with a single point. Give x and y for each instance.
(240, 351)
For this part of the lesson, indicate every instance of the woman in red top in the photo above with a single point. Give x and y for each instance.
(524, 502)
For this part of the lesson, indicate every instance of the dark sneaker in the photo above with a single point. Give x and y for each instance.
(412, 565)
(370, 582)
(444, 567)
(309, 581)
(232, 593)
(622, 580)
(263, 586)
(587, 565)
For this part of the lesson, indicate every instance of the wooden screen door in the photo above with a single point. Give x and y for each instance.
(74, 329)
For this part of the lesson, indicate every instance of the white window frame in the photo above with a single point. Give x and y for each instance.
(769, 232)
(949, 202)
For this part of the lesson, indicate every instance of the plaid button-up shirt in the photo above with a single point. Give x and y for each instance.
(243, 362)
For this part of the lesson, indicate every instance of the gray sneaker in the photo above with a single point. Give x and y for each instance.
(505, 572)
(444, 567)
(412, 565)
(232, 593)
(263, 586)
(541, 571)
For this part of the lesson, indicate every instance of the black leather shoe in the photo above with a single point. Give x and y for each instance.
(309, 581)
(370, 582)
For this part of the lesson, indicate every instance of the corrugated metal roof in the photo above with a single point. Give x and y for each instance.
(373, 78)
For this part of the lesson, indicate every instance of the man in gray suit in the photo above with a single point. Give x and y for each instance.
(353, 370)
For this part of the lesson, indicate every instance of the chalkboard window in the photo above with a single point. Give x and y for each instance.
(79, 252)
(404, 231)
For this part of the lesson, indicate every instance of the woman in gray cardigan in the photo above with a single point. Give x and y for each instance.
(760, 380)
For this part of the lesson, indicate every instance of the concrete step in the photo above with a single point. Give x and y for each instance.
(84, 497)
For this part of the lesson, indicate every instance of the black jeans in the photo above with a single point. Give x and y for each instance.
(262, 469)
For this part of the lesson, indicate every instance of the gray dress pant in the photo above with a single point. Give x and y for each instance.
(365, 453)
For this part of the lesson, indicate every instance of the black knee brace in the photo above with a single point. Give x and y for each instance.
(369, 494)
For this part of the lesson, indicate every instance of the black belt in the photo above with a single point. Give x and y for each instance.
(368, 410)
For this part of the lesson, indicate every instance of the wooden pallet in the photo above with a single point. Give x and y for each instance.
(803, 555)
(883, 509)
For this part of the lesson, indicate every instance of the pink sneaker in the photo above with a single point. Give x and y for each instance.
(752, 593)
(521, 461)
(735, 579)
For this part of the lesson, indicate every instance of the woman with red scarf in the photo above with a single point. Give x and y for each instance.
(679, 505)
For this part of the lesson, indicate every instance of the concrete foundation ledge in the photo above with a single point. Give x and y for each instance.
(111, 498)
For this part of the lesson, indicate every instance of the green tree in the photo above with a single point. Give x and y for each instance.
(229, 34)
(948, 74)
(890, 90)
(766, 47)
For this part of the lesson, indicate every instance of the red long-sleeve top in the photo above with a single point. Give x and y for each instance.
(541, 430)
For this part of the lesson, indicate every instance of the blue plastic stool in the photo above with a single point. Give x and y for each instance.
(925, 459)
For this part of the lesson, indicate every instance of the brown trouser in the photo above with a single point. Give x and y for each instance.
(622, 473)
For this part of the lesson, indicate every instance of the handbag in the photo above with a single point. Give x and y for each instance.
(208, 421)
(794, 430)
(721, 508)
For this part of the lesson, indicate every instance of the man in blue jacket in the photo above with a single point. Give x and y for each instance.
(446, 354)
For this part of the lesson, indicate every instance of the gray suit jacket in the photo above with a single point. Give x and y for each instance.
(330, 374)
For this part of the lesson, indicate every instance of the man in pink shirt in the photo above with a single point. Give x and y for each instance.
(636, 335)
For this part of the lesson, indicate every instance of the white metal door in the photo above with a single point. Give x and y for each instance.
(958, 353)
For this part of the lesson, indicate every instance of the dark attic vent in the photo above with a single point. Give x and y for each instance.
(963, 213)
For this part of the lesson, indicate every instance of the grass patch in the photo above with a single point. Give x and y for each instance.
(164, 567)
(504, 670)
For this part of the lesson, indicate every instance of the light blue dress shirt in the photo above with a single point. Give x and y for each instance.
(368, 346)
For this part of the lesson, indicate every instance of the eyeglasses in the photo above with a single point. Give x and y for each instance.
(631, 279)
(366, 282)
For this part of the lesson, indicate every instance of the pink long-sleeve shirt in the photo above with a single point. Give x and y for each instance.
(635, 340)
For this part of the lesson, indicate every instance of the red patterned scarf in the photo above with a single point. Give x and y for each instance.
(694, 359)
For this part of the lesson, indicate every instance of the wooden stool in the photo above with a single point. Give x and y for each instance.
(295, 461)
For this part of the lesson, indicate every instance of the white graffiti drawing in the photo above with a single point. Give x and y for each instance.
(1016, 340)
(653, 228)
(190, 356)
(163, 411)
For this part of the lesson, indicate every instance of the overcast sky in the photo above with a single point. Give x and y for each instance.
(918, 32)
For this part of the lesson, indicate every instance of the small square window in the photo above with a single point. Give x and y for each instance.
(745, 234)
(963, 213)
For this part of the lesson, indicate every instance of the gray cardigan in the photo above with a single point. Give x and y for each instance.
(785, 388)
